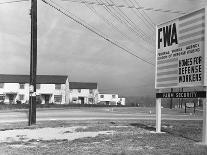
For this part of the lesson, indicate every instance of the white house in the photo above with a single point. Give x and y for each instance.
(83, 93)
(49, 88)
(122, 101)
(108, 99)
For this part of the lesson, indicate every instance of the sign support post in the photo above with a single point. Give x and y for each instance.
(158, 113)
(204, 134)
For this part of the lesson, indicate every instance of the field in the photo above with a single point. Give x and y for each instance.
(100, 137)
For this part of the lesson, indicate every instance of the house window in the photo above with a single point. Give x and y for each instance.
(57, 86)
(58, 98)
(37, 86)
(79, 90)
(21, 97)
(1, 85)
(90, 91)
(74, 98)
(21, 85)
(113, 96)
(102, 96)
(2, 97)
(71, 90)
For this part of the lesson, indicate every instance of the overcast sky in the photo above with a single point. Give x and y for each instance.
(67, 48)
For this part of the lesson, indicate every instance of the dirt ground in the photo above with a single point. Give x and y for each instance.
(101, 138)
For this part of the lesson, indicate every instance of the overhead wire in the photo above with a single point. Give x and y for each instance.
(130, 7)
(112, 25)
(118, 18)
(124, 49)
(15, 1)
(149, 20)
(90, 26)
(107, 21)
(138, 34)
(124, 19)
(85, 22)
(130, 23)
(126, 22)
(141, 17)
(143, 23)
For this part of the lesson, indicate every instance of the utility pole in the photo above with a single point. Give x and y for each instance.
(33, 64)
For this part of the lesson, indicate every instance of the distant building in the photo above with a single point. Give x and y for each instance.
(121, 101)
(49, 88)
(83, 93)
(108, 99)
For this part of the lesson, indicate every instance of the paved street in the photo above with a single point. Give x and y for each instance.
(89, 114)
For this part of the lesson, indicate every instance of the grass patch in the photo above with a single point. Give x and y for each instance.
(129, 137)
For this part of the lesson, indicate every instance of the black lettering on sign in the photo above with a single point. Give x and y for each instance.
(195, 94)
(167, 35)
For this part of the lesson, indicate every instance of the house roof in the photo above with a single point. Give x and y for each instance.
(82, 85)
(107, 94)
(40, 79)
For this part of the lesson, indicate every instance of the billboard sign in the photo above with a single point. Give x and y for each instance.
(180, 51)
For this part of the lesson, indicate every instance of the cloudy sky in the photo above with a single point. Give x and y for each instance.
(67, 48)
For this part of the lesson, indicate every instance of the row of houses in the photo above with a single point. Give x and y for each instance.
(53, 89)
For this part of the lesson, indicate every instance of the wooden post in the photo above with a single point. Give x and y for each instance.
(204, 135)
(185, 107)
(33, 64)
(181, 99)
(158, 114)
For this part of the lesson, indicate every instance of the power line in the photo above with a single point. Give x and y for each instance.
(145, 37)
(106, 20)
(129, 7)
(16, 1)
(145, 19)
(150, 21)
(91, 26)
(124, 22)
(118, 18)
(150, 26)
(129, 23)
(97, 33)
(112, 25)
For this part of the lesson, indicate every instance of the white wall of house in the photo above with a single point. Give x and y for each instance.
(45, 90)
(67, 92)
(108, 98)
(122, 101)
(14, 88)
(50, 91)
(90, 96)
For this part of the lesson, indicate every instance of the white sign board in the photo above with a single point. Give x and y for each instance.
(180, 51)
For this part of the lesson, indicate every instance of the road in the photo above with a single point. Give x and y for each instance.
(89, 114)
